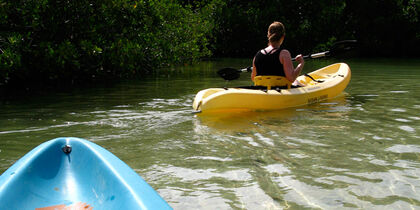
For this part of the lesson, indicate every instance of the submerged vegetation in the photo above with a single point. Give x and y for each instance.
(65, 42)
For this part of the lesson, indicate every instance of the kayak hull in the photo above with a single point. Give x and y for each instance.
(332, 80)
(80, 176)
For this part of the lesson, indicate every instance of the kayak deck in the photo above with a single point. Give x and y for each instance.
(74, 173)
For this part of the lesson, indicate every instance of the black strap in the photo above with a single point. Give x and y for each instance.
(274, 49)
(320, 81)
(269, 53)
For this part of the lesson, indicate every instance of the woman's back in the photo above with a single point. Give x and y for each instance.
(268, 63)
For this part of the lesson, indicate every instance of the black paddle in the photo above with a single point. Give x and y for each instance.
(336, 48)
(232, 73)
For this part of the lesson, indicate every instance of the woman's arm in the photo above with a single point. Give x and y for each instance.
(254, 70)
(291, 72)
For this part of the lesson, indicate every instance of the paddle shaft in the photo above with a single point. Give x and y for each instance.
(316, 55)
(313, 56)
(338, 47)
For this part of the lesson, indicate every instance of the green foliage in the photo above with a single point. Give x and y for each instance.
(383, 27)
(308, 23)
(50, 41)
(386, 27)
(76, 41)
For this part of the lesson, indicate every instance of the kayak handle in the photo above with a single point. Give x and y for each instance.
(66, 149)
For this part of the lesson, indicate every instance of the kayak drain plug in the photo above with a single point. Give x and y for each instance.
(66, 149)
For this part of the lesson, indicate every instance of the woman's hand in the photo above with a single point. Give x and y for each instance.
(299, 67)
(299, 58)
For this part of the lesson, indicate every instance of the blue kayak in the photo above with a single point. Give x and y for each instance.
(72, 173)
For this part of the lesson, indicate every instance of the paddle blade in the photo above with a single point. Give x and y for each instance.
(336, 49)
(343, 46)
(229, 73)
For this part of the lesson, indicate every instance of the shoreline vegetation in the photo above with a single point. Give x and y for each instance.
(55, 43)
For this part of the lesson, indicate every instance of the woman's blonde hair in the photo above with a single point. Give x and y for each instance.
(275, 32)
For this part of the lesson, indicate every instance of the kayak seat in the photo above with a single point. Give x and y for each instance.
(272, 81)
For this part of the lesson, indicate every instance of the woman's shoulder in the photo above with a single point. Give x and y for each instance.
(284, 52)
(260, 52)
(263, 51)
(284, 55)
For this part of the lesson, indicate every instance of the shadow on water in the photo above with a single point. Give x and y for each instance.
(243, 121)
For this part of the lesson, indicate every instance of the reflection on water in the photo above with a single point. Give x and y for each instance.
(236, 121)
(360, 150)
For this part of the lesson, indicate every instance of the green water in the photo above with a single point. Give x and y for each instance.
(360, 150)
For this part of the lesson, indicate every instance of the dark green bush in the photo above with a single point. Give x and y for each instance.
(383, 27)
(76, 41)
(45, 41)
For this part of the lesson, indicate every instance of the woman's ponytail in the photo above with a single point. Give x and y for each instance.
(275, 32)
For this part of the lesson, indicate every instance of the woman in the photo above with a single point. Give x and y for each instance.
(274, 60)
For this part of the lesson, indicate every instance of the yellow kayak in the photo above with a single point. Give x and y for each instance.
(319, 85)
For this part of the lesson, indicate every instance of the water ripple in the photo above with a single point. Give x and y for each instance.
(404, 148)
(357, 151)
